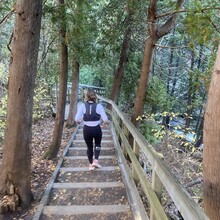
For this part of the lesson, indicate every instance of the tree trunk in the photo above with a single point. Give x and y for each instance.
(170, 72)
(174, 80)
(199, 64)
(59, 120)
(141, 92)
(122, 62)
(191, 93)
(212, 146)
(199, 133)
(78, 12)
(155, 32)
(74, 93)
(16, 165)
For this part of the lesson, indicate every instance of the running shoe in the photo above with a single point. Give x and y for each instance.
(96, 164)
(91, 167)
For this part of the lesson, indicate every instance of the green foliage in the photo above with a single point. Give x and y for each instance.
(3, 106)
(5, 7)
(154, 131)
(130, 81)
(3, 100)
(198, 27)
(157, 95)
(42, 101)
(201, 22)
(148, 128)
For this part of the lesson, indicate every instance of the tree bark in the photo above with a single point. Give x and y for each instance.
(169, 72)
(75, 62)
(74, 93)
(141, 92)
(212, 146)
(174, 80)
(16, 165)
(59, 120)
(155, 32)
(191, 93)
(199, 133)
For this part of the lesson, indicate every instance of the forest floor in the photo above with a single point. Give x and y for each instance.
(41, 169)
(185, 166)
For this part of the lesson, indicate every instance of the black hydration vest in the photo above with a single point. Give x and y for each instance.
(90, 114)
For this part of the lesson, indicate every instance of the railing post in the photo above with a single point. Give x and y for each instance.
(125, 132)
(114, 119)
(136, 150)
(157, 187)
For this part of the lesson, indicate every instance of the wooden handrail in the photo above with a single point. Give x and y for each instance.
(82, 88)
(161, 175)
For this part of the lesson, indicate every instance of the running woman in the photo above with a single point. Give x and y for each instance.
(91, 114)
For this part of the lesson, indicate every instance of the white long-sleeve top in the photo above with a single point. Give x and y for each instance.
(99, 110)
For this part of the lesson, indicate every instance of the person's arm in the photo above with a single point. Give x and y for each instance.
(103, 115)
(79, 114)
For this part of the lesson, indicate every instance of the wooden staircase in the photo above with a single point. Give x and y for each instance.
(77, 193)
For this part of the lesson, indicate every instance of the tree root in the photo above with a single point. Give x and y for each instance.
(9, 203)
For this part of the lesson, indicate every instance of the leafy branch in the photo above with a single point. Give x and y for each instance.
(203, 11)
(184, 10)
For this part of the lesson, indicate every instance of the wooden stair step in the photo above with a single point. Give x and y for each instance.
(103, 135)
(82, 141)
(86, 158)
(98, 216)
(83, 151)
(104, 138)
(85, 164)
(85, 169)
(84, 148)
(88, 185)
(103, 130)
(99, 176)
(82, 161)
(88, 196)
(90, 209)
(83, 144)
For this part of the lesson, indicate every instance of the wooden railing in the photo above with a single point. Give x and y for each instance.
(131, 142)
(83, 88)
(81, 95)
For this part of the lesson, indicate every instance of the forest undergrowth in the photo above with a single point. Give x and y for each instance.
(186, 167)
